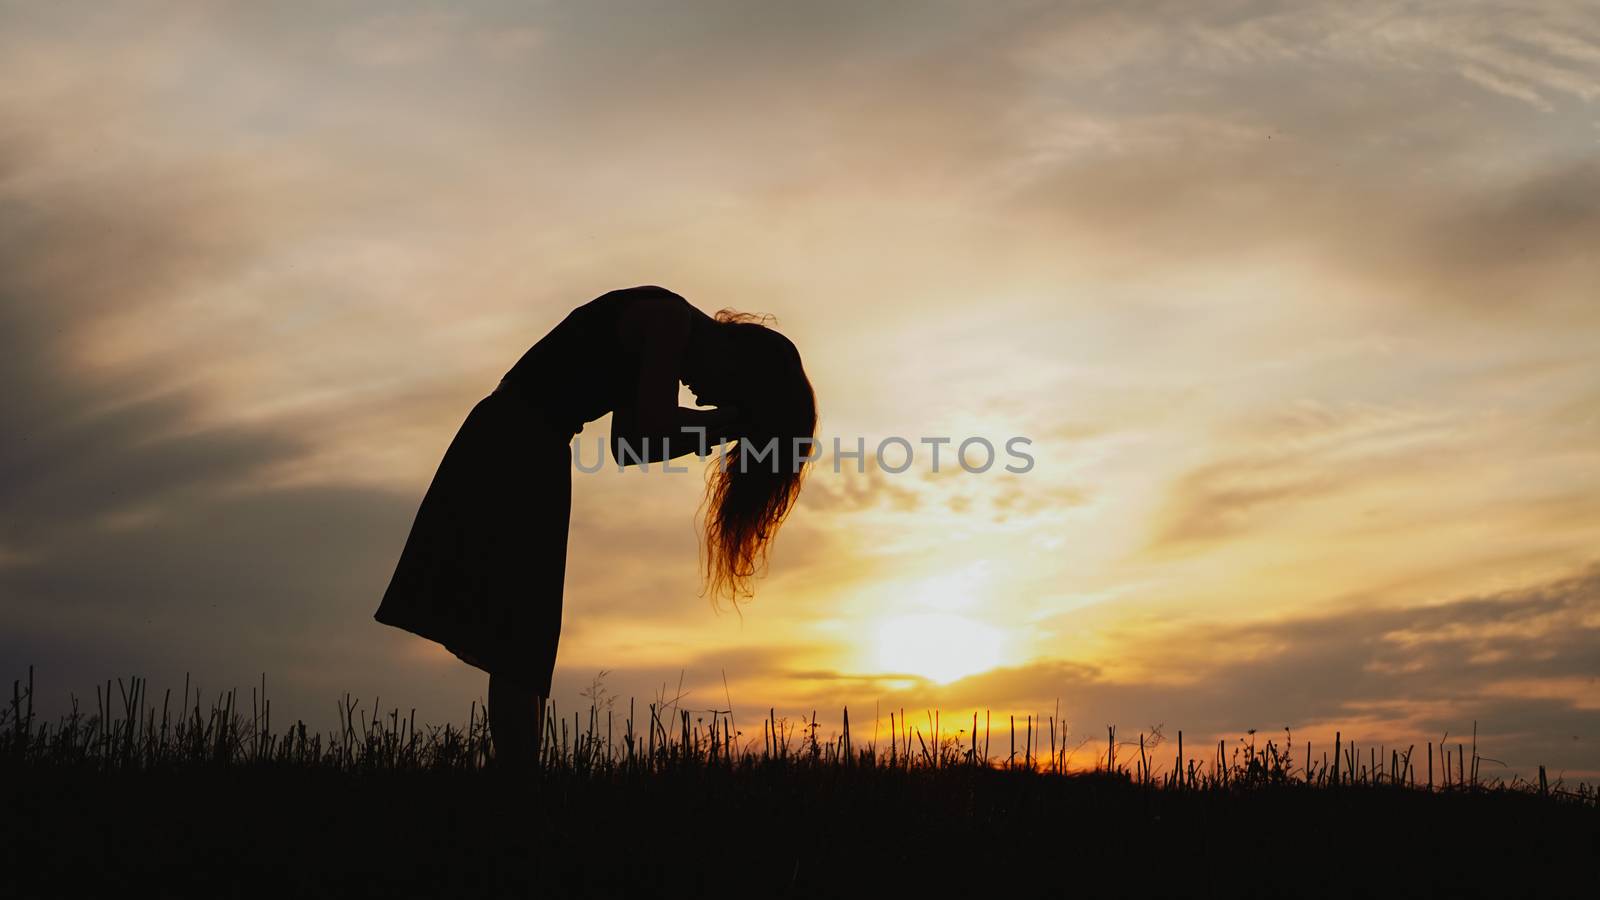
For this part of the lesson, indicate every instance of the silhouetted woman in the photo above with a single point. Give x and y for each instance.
(483, 568)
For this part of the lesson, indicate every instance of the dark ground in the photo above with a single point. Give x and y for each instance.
(777, 831)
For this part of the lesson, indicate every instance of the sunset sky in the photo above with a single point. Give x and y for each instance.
(1297, 304)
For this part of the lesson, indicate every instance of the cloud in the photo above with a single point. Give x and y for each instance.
(1522, 664)
(140, 535)
(1298, 453)
(847, 490)
(1227, 498)
(1247, 137)
(1524, 46)
(86, 444)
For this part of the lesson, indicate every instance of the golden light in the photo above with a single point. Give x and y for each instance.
(937, 646)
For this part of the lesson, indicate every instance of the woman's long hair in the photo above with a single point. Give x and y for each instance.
(752, 487)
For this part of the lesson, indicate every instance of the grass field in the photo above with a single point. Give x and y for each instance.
(184, 798)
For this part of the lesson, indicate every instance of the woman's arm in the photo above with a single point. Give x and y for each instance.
(696, 431)
(656, 327)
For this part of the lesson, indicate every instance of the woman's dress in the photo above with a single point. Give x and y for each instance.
(484, 566)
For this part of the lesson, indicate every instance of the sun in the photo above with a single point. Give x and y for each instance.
(940, 647)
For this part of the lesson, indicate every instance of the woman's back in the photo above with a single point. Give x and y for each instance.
(580, 371)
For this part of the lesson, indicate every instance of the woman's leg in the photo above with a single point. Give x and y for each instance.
(526, 516)
(516, 720)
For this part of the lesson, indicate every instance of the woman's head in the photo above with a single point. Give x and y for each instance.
(752, 488)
